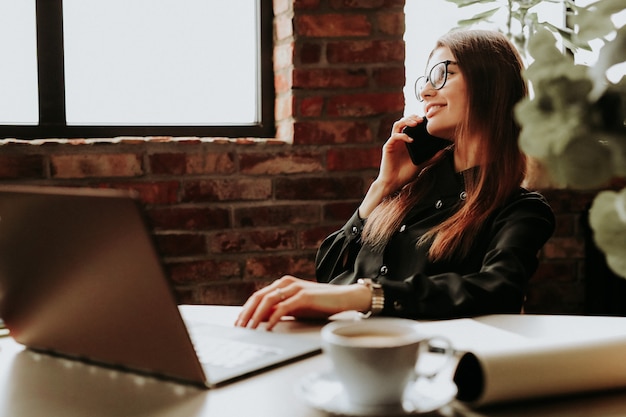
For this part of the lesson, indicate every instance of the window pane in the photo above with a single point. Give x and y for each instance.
(18, 72)
(161, 62)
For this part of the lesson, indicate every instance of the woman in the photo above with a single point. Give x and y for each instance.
(455, 236)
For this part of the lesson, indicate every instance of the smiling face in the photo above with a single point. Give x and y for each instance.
(445, 108)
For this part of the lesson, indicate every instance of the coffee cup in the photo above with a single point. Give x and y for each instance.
(376, 359)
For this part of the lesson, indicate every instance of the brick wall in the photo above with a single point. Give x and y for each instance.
(231, 215)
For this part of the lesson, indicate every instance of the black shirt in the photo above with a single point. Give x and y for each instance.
(491, 279)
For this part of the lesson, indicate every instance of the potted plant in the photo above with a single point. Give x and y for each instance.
(574, 121)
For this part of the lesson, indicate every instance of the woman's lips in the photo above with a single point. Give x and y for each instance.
(430, 109)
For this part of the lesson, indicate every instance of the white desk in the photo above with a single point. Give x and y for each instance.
(35, 385)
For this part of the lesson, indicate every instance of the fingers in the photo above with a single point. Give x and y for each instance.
(264, 302)
(290, 296)
(411, 120)
(303, 297)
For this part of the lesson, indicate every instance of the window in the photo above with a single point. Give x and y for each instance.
(18, 47)
(106, 68)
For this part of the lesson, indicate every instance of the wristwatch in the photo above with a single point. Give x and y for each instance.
(378, 296)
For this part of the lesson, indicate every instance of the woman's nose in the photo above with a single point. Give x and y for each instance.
(427, 91)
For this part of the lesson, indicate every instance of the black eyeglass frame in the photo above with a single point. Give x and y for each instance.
(420, 83)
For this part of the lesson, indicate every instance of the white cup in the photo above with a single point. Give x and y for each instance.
(376, 359)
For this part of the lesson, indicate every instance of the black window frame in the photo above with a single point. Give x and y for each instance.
(51, 90)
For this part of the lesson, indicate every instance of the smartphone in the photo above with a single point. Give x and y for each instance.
(424, 145)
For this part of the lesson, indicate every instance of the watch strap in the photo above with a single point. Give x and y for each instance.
(378, 296)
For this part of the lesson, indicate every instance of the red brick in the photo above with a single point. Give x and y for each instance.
(154, 192)
(313, 238)
(564, 248)
(555, 298)
(227, 190)
(184, 295)
(386, 124)
(332, 25)
(309, 53)
(563, 271)
(169, 163)
(181, 218)
(389, 4)
(96, 165)
(390, 77)
(188, 244)
(339, 211)
(231, 293)
(566, 225)
(329, 133)
(347, 159)
(211, 163)
(306, 4)
(329, 78)
(274, 267)
(310, 106)
(252, 241)
(390, 23)
(282, 163)
(568, 201)
(357, 4)
(377, 51)
(277, 215)
(322, 188)
(203, 271)
(368, 104)
(21, 166)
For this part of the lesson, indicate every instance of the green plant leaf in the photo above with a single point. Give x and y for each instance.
(568, 36)
(585, 164)
(612, 53)
(550, 62)
(607, 218)
(594, 21)
(465, 3)
(478, 18)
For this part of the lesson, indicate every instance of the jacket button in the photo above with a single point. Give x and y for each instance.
(438, 204)
(355, 230)
(402, 228)
(397, 305)
(384, 270)
(463, 195)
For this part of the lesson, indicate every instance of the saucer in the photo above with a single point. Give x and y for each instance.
(322, 390)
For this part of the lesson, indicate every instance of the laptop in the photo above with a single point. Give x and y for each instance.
(80, 277)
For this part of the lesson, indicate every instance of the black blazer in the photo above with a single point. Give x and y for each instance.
(491, 279)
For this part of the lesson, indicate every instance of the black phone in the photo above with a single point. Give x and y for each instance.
(424, 145)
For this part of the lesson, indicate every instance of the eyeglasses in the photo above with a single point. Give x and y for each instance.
(437, 77)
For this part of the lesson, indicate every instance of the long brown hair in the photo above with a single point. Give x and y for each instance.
(492, 69)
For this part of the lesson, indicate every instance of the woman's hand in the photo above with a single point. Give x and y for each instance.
(396, 167)
(291, 296)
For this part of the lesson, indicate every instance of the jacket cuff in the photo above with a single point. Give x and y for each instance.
(354, 227)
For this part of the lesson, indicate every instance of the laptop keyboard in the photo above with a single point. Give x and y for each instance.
(228, 353)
